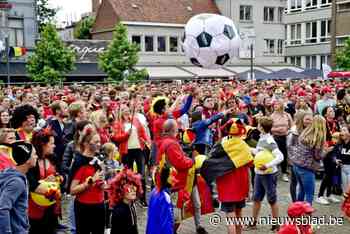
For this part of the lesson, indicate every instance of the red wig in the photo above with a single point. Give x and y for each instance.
(117, 191)
(40, 138)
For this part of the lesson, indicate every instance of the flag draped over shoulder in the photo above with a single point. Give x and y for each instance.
(226, 156)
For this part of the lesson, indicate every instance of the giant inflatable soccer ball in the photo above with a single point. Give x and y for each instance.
(210, 40)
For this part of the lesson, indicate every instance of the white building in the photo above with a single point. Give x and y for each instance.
(308, 27)
(262, 22)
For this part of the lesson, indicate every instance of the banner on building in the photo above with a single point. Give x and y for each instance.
(248, 40)
(87, 50)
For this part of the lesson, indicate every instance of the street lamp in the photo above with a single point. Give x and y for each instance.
(251, 47)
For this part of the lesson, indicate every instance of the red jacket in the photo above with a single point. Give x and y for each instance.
(121, 137)
(104, 135)
(177, 159)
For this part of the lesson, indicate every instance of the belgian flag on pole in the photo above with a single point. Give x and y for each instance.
(17, 51)
(231, 153)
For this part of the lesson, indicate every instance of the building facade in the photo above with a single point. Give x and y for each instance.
(342, 18)
(20, 24)
(260, 23)
(308, 29)
(151, 24)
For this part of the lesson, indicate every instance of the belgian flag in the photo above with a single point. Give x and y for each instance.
(231, 153)
(17, 51)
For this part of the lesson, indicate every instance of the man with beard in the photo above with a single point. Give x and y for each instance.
(24, 120)
(57, 125)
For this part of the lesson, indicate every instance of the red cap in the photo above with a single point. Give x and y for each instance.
(298, 209)
(326, 89)
(301, 93)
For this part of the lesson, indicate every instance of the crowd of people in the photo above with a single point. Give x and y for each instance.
(178, 149)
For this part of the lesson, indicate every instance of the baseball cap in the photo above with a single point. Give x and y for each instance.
(326, 89)
(298, 209)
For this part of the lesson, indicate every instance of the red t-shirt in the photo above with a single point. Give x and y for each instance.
(234, 186)
(93, 194)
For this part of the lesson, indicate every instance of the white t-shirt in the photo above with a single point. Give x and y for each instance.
(133, 141)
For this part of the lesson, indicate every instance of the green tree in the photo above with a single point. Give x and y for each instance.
(51, 60)
(45, 14)
(83, 29)
(343, 57)
(121, 56)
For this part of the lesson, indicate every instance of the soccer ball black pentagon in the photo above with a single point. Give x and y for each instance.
(210, 40)
(222, 59)
(195, 62)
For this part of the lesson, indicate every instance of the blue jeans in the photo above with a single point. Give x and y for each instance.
(71, 216)
(306, 181)
(345, 177)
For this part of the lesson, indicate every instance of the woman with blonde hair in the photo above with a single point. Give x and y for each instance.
(306, 161)
(131, 137)
(282, 122)
(303, 119)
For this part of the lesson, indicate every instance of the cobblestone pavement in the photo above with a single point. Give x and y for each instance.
(187, 227)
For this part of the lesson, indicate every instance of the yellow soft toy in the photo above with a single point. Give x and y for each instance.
(51, 196)
(262, 158)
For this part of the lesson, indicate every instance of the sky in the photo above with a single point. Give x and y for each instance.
(70, 10)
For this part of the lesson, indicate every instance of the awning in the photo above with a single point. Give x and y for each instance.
(287, 74)
(278, 68)
(166, 72)
(339, 74)
(314, 73)
(18, 69)
(208, 73)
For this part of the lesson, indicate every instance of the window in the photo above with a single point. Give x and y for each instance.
(295, 34)
(269, 46)
(313, 61)
(16, 32)
(173, 41)
(280, 46)
(311, 32)
(310, 4)
(341, 40)
(280, 14)
(325, 30)
(295, 5)
(323, 60)
(149, 44)
(136, 40)
(245, 13)
(325, 3)
(269, 14)
(329, 60)
(292, 60)
(298, 61)
(344, 6)
(161, 44)
(308, 62)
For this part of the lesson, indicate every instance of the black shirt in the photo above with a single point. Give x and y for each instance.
(342, 152)
(124, 219)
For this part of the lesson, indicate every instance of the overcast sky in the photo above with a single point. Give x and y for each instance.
(70, 10)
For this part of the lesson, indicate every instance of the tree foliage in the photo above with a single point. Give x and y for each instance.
(45, 14)
(121, 56)
(343, 57)
(51, 59)
(83, 28)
